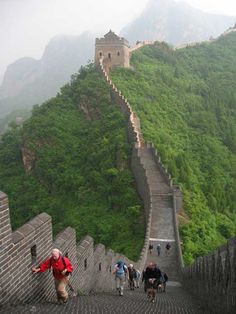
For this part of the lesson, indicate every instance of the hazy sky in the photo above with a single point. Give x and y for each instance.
(26, 26)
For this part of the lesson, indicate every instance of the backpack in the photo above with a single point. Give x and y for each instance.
(168, 246)
(122, 269)
(64, 263)
(163, 278)
(132, 273)
(138, 274)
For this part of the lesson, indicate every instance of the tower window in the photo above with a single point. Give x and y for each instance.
(100, 54)
(33, 251)
(118, 53)
(109, 55)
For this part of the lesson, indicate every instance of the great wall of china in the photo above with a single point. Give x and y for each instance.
(211, 278)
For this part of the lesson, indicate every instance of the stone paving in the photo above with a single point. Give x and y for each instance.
(174, 301)
(162, 226)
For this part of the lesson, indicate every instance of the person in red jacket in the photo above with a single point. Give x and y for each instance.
(62, 268)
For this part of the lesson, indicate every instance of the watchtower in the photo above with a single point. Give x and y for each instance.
(113, 49)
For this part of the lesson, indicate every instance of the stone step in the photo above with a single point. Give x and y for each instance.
(162, 223)
(174, 301)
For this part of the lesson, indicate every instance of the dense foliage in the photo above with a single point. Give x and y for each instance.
(20, 114)
(186, 101)
(76, 147)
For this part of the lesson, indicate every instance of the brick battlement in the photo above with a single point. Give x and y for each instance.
(141, 174)
(32, 243)
(214, 278)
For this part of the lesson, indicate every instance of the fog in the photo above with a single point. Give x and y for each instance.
(26, 26)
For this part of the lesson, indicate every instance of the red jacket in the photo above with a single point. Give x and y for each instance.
(57, 266)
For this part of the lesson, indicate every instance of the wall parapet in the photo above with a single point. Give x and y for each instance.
(134, 130)
(135, 137)
(214, 278)
(32, 243)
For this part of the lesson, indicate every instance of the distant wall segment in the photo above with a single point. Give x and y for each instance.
(135, 137)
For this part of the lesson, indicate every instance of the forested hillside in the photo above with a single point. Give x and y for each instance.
(186, 101)
(76, 166)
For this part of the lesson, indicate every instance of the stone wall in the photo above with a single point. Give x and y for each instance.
(213, 279)
(136, 139)
(134, 130)
(32, 243)
(140, 44)
(144, 192)
(18, 251)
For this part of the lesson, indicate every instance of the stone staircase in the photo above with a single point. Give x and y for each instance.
(174, 301)
(162, 224)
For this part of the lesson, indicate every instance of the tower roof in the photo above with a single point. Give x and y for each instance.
(111, 35)
(111, 38)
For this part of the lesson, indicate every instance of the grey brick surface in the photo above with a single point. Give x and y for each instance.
(174, 301)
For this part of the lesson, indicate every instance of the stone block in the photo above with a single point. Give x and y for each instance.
(17, 237)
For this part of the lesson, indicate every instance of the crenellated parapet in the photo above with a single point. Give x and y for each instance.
(32, 243)
(134, 130)
(135, 137)
(213, 279)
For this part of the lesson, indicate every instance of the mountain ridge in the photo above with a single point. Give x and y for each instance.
(29, 81)
(175, 23)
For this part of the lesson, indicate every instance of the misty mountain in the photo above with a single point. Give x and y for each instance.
(28, 81)
(175, 23)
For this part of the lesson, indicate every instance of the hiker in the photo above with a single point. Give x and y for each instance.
(152, 277)
(144, 280)
(62, 268)
(150, 248)
(120, 271)
(132, 276)
(158, 249)
(137, 279)
(168, 246)
(162, 282)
